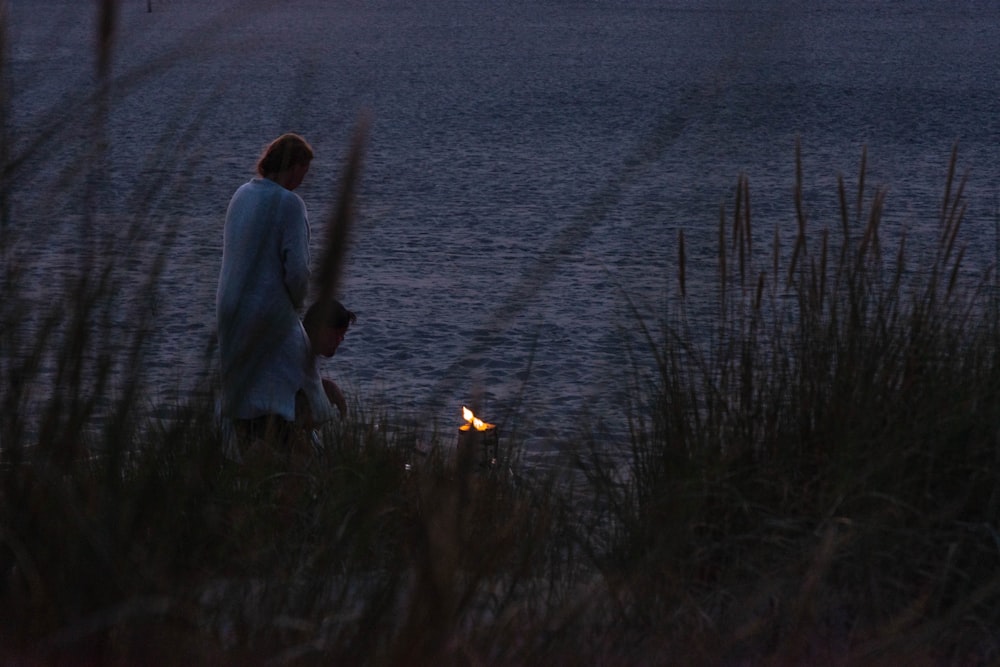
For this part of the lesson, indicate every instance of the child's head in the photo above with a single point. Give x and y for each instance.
(327, 324)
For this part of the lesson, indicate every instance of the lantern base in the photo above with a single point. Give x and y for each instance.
(487, 441)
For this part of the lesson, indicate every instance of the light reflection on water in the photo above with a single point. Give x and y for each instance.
(528, 169)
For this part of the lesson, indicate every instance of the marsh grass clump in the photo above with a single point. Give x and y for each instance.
(811, 477)
(127, 537)
(818, 471)
(172, 555)
(814, 476)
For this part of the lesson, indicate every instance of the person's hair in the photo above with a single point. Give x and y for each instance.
(287, 151)
(331, 314)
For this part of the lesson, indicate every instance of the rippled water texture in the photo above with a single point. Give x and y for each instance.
(527, 170)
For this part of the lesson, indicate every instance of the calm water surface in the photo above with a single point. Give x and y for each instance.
(528, 166)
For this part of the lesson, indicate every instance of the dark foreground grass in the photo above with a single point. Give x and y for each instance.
(818, 483)
(815, 484)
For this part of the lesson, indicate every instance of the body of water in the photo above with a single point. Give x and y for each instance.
(528, 167)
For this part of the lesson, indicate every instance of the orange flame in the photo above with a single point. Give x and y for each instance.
(472, 421)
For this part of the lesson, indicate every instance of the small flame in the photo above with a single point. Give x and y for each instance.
(473, 421)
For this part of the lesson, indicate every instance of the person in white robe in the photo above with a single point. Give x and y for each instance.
(265, 353)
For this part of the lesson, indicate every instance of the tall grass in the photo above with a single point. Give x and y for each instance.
(822, 473)
(814, 481)
(811, 478)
